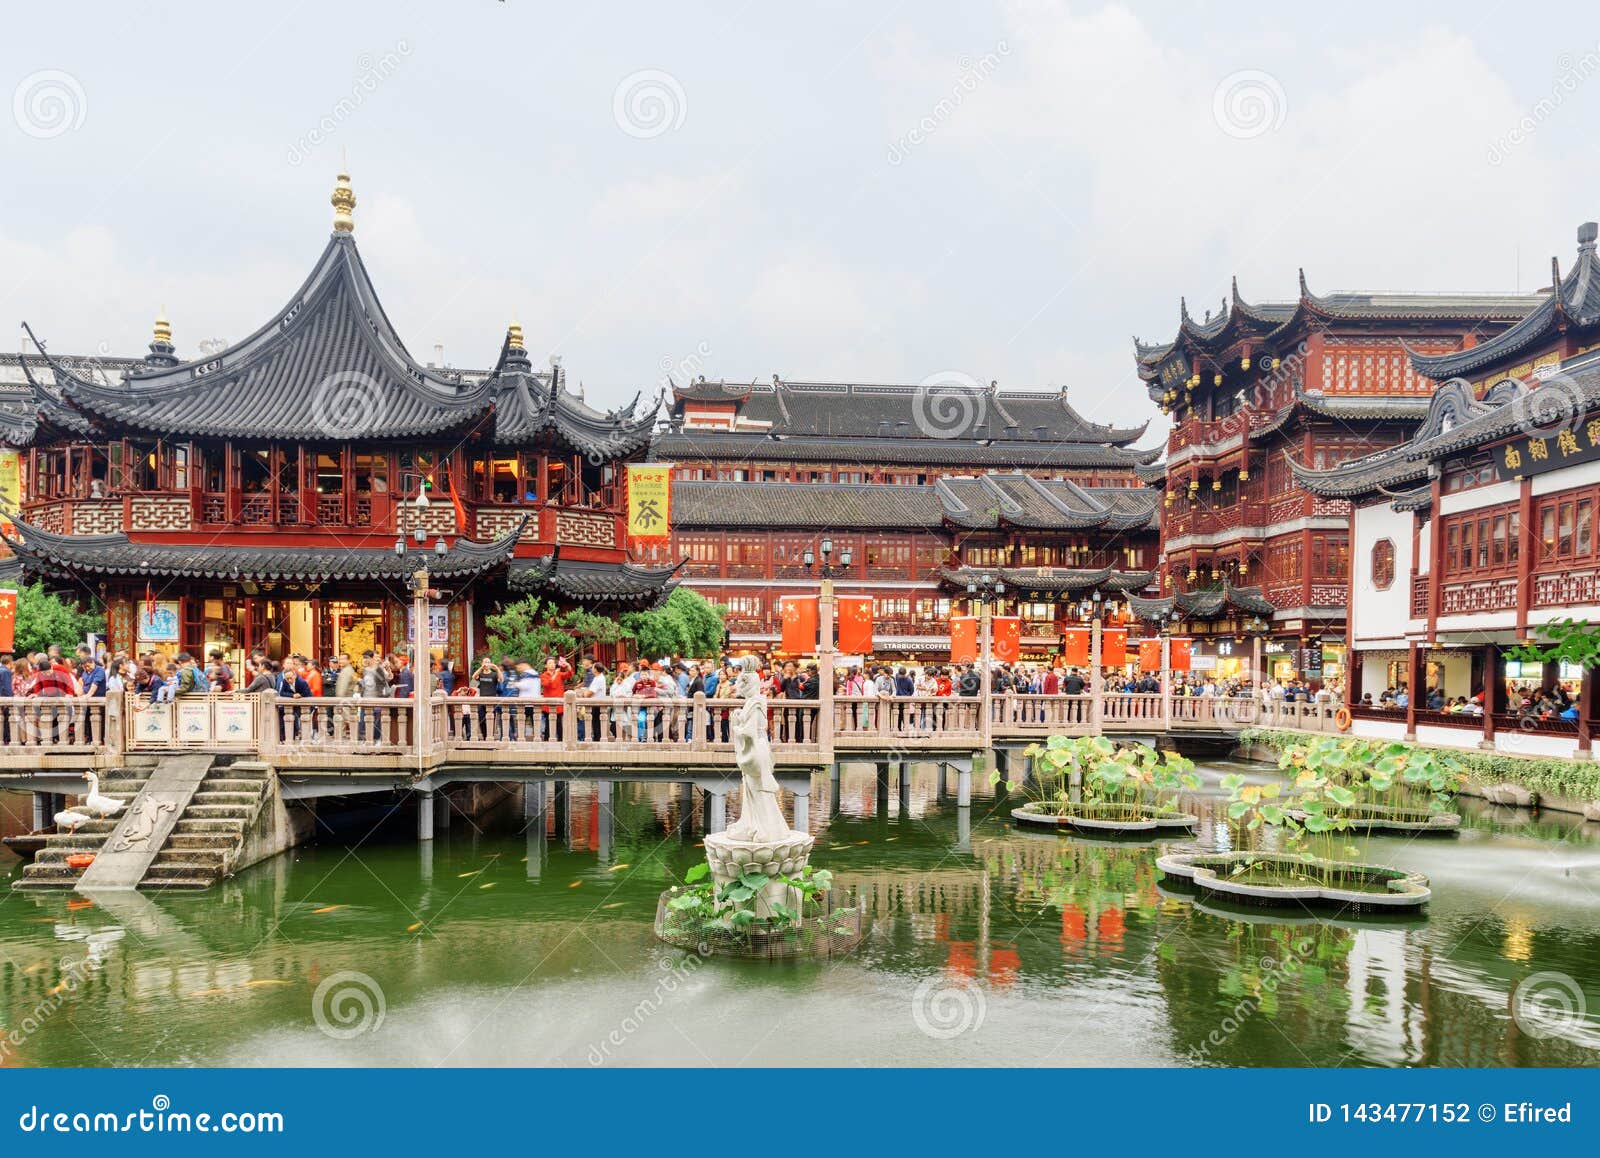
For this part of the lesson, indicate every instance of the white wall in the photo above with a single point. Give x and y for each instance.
(1489, 496)
(1584, 474)
(1380, 616)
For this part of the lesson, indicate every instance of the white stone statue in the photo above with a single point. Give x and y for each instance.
(761, 839)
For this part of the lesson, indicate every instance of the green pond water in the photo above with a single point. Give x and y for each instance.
(986, 945)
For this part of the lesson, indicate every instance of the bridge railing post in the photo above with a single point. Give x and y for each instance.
(569, 721)
(700, 721)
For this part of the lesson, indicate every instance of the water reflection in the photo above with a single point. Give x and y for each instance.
(524, 937)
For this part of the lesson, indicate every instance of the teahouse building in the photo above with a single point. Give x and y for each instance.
(280, 492)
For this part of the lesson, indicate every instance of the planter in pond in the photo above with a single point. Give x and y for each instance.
(1289, 879)
(1097, 816)
(830, 926)
(1392, 818)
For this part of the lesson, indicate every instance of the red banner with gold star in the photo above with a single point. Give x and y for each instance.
(855, 624)
(800, 624)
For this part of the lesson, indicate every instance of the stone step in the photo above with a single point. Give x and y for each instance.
(207, 856)
(193, 825)
(219, 811)
(248, 768)
(218, 840)
(233, 784)
(181, 870)
(157, 884)
(210, 796)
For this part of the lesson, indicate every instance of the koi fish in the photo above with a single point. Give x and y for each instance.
(328, 909)
(414, 928)
(574, 884)
(616, 868)
(490, 885)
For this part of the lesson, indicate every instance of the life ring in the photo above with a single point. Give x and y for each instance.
(1341, 719)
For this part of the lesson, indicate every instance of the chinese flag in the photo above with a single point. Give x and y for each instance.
(1150, 655)
(1180, 654)
(855, 624)
(1007, 643)
(1075, 647)
(799, 624)
(963, 639)
(8, 620)
(1114, 647)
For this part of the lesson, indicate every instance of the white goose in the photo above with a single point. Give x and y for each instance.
(70, 820)
(96, 803)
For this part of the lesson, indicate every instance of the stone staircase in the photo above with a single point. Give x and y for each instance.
(202, 848)
(205, 844)
(49, 868)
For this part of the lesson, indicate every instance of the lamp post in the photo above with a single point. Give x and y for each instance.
(828, 569)
(984, 590)
(827, 613)
(1169, 623)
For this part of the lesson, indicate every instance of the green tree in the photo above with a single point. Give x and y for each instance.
(43, 619)
(528, 630)
(590, 630)
(686, 624)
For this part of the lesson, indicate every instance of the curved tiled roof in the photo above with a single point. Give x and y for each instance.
(1576, 302)
(46, 554)
(327, 367)
(934, 412)
(678, 445)
(821, 505)
(1207, 604)
(1059, 579)
(639, 587)
(34, 406)
(1354, 406)
(529, 407)
(975, 502)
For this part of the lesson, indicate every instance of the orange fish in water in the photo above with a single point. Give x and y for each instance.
(490, 885)
(76, 906)
(464, 876)
(613, 905)
(413, 928)
(207, 992)
(616, 868)
(264, 981)
(861, 842)
(574, 884)
(328, 909)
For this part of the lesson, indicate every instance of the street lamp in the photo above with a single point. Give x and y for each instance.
(983, 589)
(829, 568)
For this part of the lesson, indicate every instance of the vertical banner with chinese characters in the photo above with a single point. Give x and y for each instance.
(855, 624)
(649, 500)
(10, 488)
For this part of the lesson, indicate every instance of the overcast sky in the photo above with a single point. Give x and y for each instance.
(854, 191)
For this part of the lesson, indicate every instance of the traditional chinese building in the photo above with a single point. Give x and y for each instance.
(822, 432)
(1480, 529)
(282, 491)
(1318, 380)
(915, 549)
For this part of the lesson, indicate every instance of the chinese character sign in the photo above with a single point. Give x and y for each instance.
(649, 500)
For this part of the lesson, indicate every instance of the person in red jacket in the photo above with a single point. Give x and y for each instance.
(552, 686)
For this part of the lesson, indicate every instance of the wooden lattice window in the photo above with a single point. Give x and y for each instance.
(1383, 564)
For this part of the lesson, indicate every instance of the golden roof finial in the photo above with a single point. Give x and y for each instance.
(343, 201)
(163, 329)
(514, 337)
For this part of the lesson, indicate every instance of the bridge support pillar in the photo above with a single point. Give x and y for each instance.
(964, 829)
(424, 813)
(802, 807)
(716, 810)
(964, 785)
(41, 810)
(686, 806)
(905, 788)
(835, 774)
(534, 795)
(605, 819)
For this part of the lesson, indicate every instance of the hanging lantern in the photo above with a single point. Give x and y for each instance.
(1244, 567)
(1216, 484)
(1216, 379)
(1244, 362)
(1274, 363)
(1244, 474)
(1193, 574)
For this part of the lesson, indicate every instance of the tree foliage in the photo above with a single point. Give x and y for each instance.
(1573, 641)
(528, 630)
(686, 624)
(43, 619)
